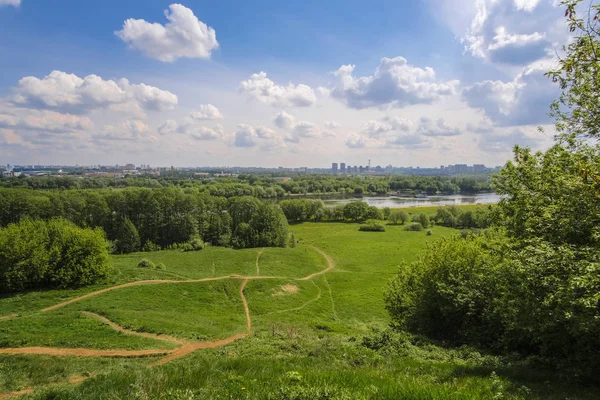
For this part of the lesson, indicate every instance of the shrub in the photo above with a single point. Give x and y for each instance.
(397, 216)
(161, 266)
(197, 243)
(414, 226)
(429, 233)
(150, 246)
(423, 219)
(145, 263)
(372, 228)
(55, 253)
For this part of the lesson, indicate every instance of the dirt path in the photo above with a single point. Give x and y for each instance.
(246, 309)
(164, 338)
(7, 317)
(81, 352)
(335, 316)
(330, 263)
(152, 282)
(185, 347)
(72, 380)
(257, 258)
(302, 306)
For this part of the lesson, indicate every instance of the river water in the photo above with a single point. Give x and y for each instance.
(441, 200)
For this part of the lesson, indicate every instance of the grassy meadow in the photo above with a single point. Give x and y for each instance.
(307, 339)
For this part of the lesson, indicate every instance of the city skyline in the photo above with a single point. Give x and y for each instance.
(416, 83)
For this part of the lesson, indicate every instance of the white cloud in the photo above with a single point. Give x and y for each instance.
(327, 134)
(245, 136)
(499, 142)
(395, 83)
(284, 120)
(69, 93)
(440, 127)
(508, 33)
(43, 120)
(15, 3)
(207, 112)
(408, 140)
(131, 130)
(168, 127)
(204, 133)
(265, 133)
(375, 128)
(305, 129)
(184, 36)
(355, 141)
(261, 88)
(332, 125)
(523, 101)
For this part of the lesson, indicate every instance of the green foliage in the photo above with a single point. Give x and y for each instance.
(300, 210)
(293, 240)
(150, 246)
(372, 227)
(55, 253)
(356, 211)
(128, 238)
(145, 263)
(429, 233)
(577, 112)
(414, 226)
(397, 216)
(423, 219)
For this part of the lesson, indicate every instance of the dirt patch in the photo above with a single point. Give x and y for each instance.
(72, 380)
(7, 317)
(56, 351)
(286, 289)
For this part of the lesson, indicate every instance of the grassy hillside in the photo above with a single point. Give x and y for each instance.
(310, 309)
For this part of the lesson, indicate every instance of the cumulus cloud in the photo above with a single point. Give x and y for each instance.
(395, 83)
(332, 125)
(249, 136)
(261, 88)
(523, 101)
(131, 130)
(375, 128)
(284, 120)
(43, 120)
(69, 93)
(305, 129)
(14, 3)
(204, 133)
(500, 142)
(355, 141)
(440, 127)
(408, 140)
(507, 32)
(184, 36)
(207, 112)
(327, 134)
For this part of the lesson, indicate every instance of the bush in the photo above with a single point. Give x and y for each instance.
(398, 216)
(429, 233)
(423, 219)
(372, 228)
(414, 226)
(150, 246)
(51, 254)
(145, 263)
(161, 266)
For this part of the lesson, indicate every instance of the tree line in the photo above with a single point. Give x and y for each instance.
(264, 186)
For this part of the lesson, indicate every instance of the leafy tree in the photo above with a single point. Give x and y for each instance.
(577, 111)
(128, 239)
(356, 211)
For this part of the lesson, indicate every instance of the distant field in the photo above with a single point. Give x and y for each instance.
(307, 313)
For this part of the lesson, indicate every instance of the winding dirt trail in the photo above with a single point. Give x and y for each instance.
(82, 352)
(330, 263)
(164, 338)
(7, 317)
(184, 348)
(257, 258)
(72, 380)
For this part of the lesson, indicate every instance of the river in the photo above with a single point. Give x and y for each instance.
(441, 200)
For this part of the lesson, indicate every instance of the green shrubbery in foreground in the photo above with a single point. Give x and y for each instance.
(55, 253)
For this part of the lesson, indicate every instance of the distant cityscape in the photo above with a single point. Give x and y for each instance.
(121, 171)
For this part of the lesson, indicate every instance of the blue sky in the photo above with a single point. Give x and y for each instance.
(275, 83)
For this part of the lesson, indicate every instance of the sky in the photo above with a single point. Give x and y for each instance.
(276, 83)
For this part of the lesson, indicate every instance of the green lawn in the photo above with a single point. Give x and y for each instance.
(306, 340)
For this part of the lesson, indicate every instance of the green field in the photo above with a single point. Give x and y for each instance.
(308, 321)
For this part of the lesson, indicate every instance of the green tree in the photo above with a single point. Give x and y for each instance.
(128, 239)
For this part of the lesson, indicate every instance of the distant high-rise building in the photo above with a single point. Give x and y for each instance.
(334, 168)
(460, 168)
(343, 168)
(479, 167)
(360, 169)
